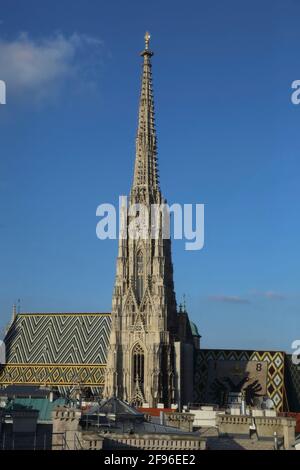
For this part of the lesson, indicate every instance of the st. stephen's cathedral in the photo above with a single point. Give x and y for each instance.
(146, 351)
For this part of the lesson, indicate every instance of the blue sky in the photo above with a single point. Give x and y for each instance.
(228, 137)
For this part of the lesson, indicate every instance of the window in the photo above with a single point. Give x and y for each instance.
(140, 276)
(138, 366)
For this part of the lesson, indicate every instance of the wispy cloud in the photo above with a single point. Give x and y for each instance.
(272, 295)
(234, 299)
(35, 67)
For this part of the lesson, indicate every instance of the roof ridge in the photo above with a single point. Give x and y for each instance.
(64, 313)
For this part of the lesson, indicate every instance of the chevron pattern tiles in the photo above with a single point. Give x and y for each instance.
(61, 349)
(58, 339)
(52, 374)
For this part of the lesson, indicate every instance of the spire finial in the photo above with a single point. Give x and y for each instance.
(147, 39)
(184, 302)
(14, 312)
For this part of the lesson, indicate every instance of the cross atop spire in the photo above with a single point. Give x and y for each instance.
(147, 39)
(146, 171)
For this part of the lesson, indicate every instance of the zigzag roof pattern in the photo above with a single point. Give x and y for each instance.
(58, 338)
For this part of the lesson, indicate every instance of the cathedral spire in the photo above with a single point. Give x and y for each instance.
(147, 339)
(146, 171)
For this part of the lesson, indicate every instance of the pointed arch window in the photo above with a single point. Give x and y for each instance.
(140, 275)
(133, 314)
(138, 366)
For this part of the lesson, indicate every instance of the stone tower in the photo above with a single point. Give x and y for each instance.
(149, 339)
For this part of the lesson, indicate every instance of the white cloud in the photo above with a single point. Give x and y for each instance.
(234, 299)
(38, 67)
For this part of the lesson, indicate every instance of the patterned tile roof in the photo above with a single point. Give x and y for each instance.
(275, 370)
(58, 338)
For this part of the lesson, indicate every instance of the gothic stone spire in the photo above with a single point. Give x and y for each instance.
(142, 360)
(146, 172)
